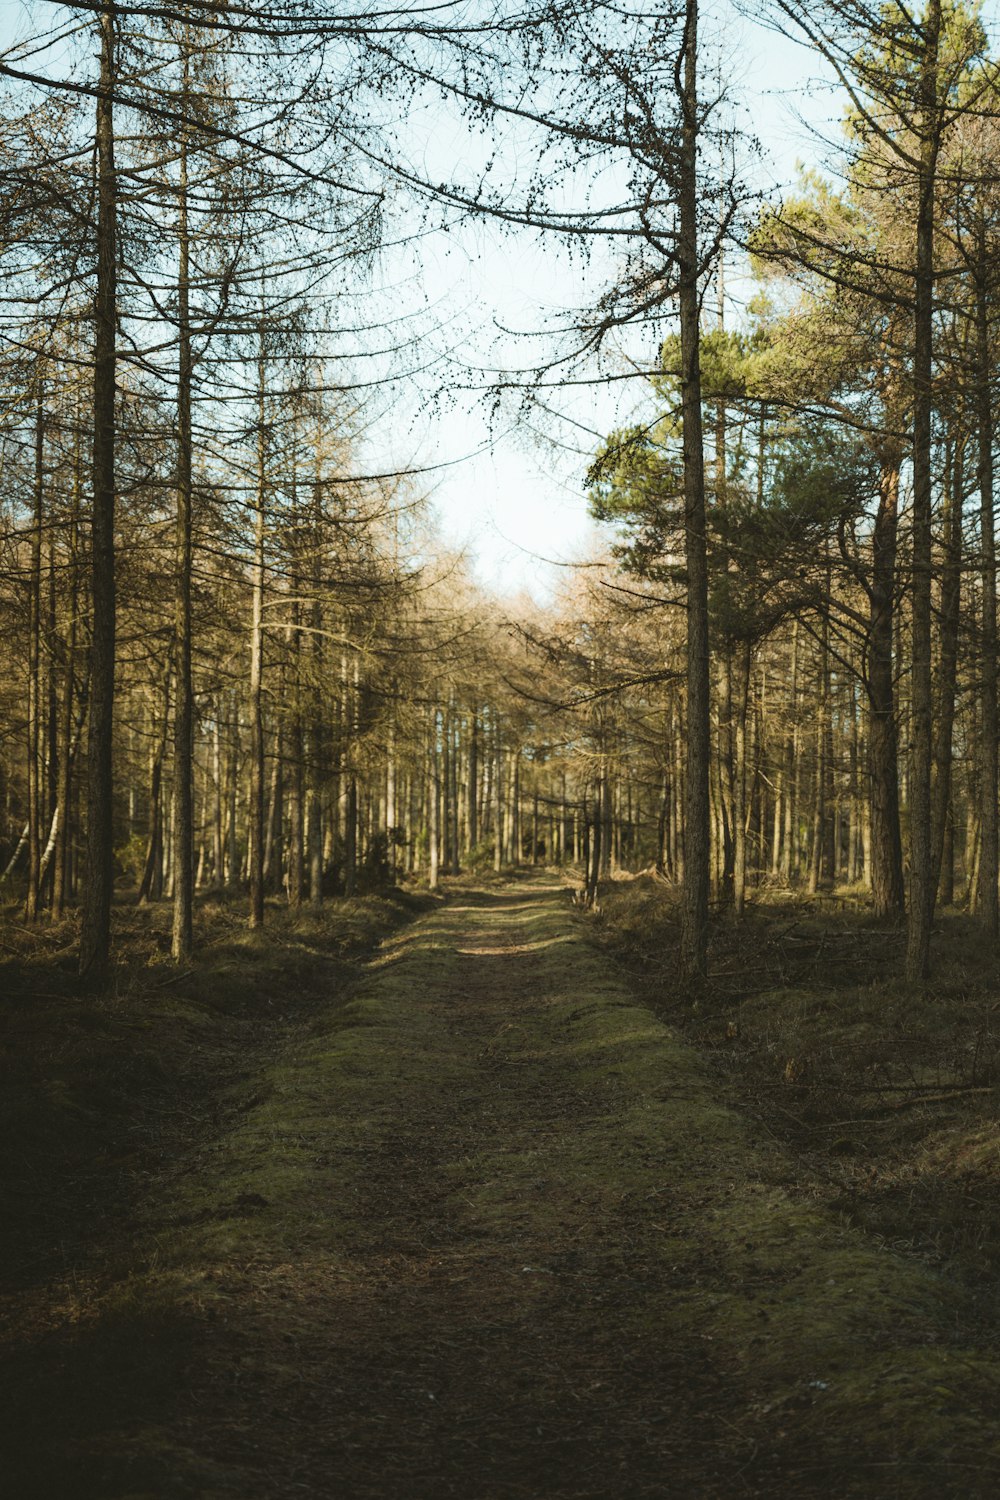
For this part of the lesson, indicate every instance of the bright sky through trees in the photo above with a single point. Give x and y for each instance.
(511, 491)
(508, 491)
(517, 503)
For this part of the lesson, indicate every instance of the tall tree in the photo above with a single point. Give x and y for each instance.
(95, 932)
(694, 946)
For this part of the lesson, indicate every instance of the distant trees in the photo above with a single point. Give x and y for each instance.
(199, 200)
(837, 550)
(620, 100)
(283, 686)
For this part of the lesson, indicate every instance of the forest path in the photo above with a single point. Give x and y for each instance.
(487, 1233)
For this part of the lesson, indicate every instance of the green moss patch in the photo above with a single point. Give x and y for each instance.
(490, 1225)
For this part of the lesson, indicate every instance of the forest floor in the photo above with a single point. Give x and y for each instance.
(495, 1216)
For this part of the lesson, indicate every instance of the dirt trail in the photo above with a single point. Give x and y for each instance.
(487, 1234)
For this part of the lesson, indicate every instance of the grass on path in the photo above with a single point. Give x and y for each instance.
(488, 1231)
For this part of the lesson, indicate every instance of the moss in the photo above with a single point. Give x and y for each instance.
(491, 1110)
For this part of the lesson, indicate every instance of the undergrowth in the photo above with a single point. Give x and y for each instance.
(485, 1192)
(885, 1093)
(99, 1090)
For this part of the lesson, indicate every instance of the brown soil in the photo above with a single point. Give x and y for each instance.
(485, 1232)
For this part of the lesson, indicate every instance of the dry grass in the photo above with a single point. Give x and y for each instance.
(485, 1225)
(886, 1094)
(98, 1090)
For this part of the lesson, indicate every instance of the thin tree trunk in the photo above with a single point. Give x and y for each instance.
(454, 797)
(314, 843)
(694, 938)
(256, 819)
(790, 816)
(447, 847)
(64, 777)
(744, 660)
(595, 850)
(816, 847)
(273, 834)
(218, 854)
(605, 810)
(53, 812)
(297, 793)
(318, 739)
(885, 837)
(433, 805)
(391, 812)
(182, 935)
(473, 788)
(152, 869)
(922, 881)
(232, 800)
(95, 933)
(498, 854)
(947, 674)
(35, 813)
(351, 836)
(989, 854)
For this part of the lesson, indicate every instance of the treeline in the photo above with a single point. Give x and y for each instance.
(184, 243)
(235, 660)
(359, 715)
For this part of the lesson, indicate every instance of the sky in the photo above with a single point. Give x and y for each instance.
(518, 505)
(510, 493)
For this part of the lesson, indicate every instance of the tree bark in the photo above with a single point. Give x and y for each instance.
(433, 804)
(35, 779)
(256, 811)
(182, 934)
(922, 882)
(64, 776)
(989, 855)
(473, 787)
(744, 660)
(498, 770)
(694, 933)
(947, 673)
(885, 837)
(95, 933)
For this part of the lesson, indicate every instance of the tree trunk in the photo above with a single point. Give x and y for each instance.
(922, 882)
(314, 846)
(297, 788)
(454, 792)
(473, 788)
(35, 780)
(95, 933)
(986, 899)
(605, 811)
(64, 777)
(433, 804)
(391, 813)
(947, 674)
(256, 819)
(498, 789)
(694, 938)
(744, 660)
(449, 858)
(182, 935)
(789, 761)
(274, 829)
(595, 851)
(817, 843)
(351, 836)
(232, 800)
(885, 837)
